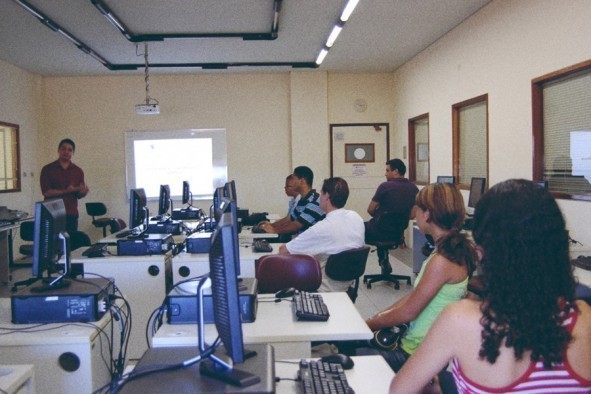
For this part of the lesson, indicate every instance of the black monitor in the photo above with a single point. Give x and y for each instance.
(477, 187)
(164, 202)
(187, 196)
(446, 179)
(138, 210)
(50, 243)
(229, 206)
(543, 184)
(226, 306)
(230, 190)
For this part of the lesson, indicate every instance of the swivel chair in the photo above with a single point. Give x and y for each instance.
(391, 228)
(27, 230)
(95, 209)
(277, 271)
(348, 265)
(78, 239)
(117, 224)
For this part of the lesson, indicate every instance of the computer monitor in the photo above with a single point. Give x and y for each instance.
(227, 205)
(225, 297)
(187, 196)
(543, 184)
(138, 210)
(477, 187)
(164, 202)
(50, 243)
(446, 179)
(230, 190)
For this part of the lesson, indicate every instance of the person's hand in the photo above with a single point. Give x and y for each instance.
(82, 190)
(267, 227)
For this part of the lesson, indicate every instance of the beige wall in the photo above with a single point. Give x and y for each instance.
(497, 51)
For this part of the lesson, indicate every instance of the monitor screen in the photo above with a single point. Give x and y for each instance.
(218, 194)
(230, 190)
(446, 179)
(477, 187)
(542, 184)
(229, 206)
(187, 196)
(50, 242)
(138, 211)
(164, 200)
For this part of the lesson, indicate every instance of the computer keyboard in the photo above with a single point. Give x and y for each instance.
(261, 246)
(322, 377)
(96, 250)
(308, 306)
(258, 229)
(583, 262)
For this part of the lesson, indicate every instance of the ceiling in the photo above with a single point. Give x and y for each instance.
(380, 35)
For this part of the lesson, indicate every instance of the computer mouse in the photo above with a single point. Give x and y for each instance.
(345, 361)
(288, 292)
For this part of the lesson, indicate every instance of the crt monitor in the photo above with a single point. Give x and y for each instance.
(225, 296)
(230, 190)
(477, 187)
(164, 200)
(446, 179)
(187, 196)
(50, 243)
(138, 211)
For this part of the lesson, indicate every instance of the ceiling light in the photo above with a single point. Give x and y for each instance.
(336, 30)
(348, 10)
(321, 56)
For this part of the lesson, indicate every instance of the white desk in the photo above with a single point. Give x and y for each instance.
(144, 281)
(6, 252)
(17, 379)
(275, 324)
(43, 345)
(371, 374)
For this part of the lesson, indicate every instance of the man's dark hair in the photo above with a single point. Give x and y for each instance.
(338, 191)
(304, 172)
(397, 164)
(67, 141)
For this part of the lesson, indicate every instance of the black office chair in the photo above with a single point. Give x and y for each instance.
(95, 209)
(78, 239)
(348, 265)
(117, 224)
(391, 228)
(27, 230)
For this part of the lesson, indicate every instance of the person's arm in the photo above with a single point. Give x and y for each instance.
(82, 190)
(283, 249)
(433, 354)
(373, 207)
(410, 307)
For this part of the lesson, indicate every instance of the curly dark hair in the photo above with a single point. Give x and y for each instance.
(528, 280)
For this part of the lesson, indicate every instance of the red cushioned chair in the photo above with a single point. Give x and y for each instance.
(275, 272)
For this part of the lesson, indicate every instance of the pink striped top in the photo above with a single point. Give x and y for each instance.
(535, 380)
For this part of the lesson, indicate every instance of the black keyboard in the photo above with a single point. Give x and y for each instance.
(321, 377)
(583, 262)
(257, 229)
(96, 250)
(308, 306)
(261, 246)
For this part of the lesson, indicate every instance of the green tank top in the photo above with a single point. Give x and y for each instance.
(420, 326)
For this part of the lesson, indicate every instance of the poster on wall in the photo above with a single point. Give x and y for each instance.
(358, 170)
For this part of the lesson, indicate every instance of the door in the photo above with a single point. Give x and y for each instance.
(358, 154)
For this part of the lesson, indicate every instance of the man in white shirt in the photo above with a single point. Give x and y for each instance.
(340, 230)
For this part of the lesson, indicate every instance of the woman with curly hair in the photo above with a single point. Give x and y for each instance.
(443, 278)
(528, 334)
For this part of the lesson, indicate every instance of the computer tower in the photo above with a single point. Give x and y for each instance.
(198, 242)
(151, 244)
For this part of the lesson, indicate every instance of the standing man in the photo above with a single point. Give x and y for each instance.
(395, 196)
(64, 179)
(306, 212)
(341, 230)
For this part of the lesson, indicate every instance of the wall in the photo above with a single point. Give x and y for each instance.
(498, 51)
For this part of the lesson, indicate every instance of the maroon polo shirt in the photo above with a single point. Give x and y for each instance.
(53, 176)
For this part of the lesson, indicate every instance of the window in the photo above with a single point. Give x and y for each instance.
(418, 140)
(470, 140)
(562, 131)
(155, 158)
(10, 180)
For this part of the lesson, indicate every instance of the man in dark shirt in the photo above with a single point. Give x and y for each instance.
(65, 180)
(395, 196)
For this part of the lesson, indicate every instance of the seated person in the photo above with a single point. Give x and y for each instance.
(443, 278)
(341, 230)
(528, 333)
(306, 212)
(395, 196)
(290, 191)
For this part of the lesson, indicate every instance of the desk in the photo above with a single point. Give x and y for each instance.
(583, 276)
(42, 346)
(371, 374)
(6, 252)
(275, 324)
(144, 281)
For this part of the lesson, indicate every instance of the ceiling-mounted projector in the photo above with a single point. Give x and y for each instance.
(147, 109)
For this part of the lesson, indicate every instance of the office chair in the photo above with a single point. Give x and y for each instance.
(78, 239)
(348, 265)
(277, 271)
(117, 224)
(95, 209)
(27, 230)
(391, 226)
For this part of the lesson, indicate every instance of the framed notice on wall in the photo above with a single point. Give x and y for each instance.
(360, 153)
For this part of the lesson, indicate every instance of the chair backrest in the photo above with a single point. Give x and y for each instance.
(391, 225)
(95, 209)
(117, 224)
(347, 265)
(78, 239)
(27, 230)
(276, 272)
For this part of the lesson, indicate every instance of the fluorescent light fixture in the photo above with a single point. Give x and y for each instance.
(321, 56)
(115, 22)
(336, 30)
(348, 10)
(30, 8)
(70, 37)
